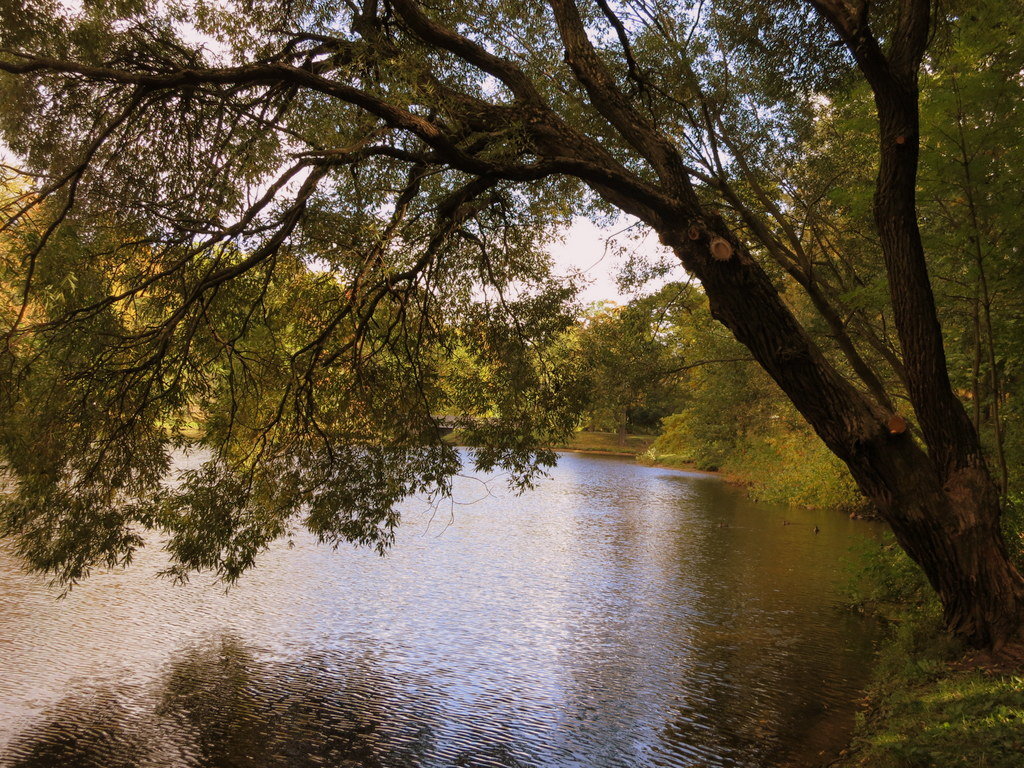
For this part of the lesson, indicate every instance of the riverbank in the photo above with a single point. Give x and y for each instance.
(637, 447)
(609, 443)
(930, 705)
(933, 707)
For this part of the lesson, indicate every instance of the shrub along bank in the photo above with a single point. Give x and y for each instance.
(780, 460)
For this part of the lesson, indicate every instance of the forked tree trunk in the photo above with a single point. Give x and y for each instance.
(942, 505)
(945, 514)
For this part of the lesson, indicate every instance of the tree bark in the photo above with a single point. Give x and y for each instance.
(976, 359)
(948, 524)
(952, 532)
(620, 431)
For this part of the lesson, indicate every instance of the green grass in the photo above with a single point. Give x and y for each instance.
(589, 442)
(950, 719)
(927, 708)
(607, 442)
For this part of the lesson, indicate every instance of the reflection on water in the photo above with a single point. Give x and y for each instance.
(617, 616)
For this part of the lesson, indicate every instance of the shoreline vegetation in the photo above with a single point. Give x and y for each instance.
(608, 443)
(640, 448)
(932, 703)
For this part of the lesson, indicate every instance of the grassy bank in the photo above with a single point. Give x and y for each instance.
(933, 716)
(932, 705)
(607, 442)
(779, 462)
(588, 442)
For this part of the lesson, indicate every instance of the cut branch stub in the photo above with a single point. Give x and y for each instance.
(897, 424)
(693, 232)
(721, 249)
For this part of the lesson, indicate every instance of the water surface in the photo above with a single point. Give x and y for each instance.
(618, 615)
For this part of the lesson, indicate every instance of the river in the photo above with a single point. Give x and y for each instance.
(618, 615)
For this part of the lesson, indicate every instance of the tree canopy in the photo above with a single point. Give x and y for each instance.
(281, 218)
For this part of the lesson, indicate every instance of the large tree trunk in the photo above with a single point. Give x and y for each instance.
(947, 521)
(941, 504)
(963, 555)
(952, 531)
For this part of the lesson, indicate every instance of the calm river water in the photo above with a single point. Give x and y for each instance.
(619, 615)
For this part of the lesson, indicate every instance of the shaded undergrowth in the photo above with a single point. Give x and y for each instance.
(931, 705)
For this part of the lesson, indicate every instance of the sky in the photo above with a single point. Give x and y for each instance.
(600, 252)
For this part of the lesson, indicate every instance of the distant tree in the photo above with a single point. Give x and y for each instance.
(630, 364)
(416, 156)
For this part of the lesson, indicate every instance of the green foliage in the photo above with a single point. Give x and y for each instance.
(1013, 527)
(629, 366)
(695, 436)
(886, 584)
(606, 442)
(779, 461)
(735, 419)
(317, 401)
(786, 463)
(970, 183)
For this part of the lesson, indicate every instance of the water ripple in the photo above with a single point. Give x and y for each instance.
(617, 616)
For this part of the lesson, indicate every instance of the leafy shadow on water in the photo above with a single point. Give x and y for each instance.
(95, 733)
(221, 706)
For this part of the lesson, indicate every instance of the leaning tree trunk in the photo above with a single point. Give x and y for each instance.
(941, 504)
(947, 521)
